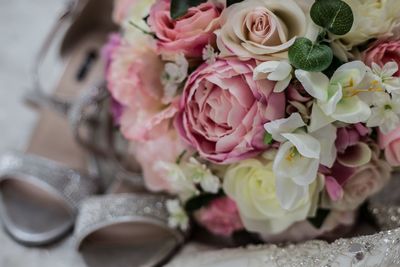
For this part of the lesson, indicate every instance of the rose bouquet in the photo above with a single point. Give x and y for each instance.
(259, 115)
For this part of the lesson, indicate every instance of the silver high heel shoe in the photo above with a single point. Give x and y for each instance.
(40, 197)
(125, 228)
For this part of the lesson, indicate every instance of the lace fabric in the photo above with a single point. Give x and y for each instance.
(381, 249)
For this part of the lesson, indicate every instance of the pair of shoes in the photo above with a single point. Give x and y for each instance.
(48, 190)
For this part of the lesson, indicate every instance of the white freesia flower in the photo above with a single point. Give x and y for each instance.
(179, 181)
(279, 71)
(337, 99)
(209, 55)
(202, 175)
(385, 113)
(174, 74)
(384, 75)
(299, 156)
(177, 215)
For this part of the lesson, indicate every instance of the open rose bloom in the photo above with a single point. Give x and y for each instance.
(271, 121)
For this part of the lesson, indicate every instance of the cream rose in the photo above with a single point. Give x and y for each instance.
(263, 29)
(365, 181)
(372, 19)
(251, 183)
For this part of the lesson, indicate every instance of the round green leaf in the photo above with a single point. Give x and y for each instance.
(305, 55)
(334, 15)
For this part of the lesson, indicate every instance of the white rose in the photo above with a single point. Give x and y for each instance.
(251, 183)
(372, 19)
(263, 29)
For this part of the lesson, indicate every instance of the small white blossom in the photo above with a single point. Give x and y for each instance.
(385, 112)
(177, 179)
(384, 75)
(209, 54)
(177, 215)
(279, 71)
(174, 74)
(202, 175)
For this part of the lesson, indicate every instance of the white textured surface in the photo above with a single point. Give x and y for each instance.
(23, 25)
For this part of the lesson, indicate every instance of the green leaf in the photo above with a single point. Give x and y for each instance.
(202, 200)
(319, 218)
(268, 139)
(306, 55)
(180, 7)
(334, 15)
(231, 2)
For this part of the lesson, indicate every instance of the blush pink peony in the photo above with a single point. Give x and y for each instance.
(187, 34)
(220, 217)
(139, 90)
(382, 52)
(223, 110)
(391, 144)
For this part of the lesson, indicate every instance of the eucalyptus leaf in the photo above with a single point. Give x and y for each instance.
(231, 2)
(309, 56)
(334, 15)
(180, 7)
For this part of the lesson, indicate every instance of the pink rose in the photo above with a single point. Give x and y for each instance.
(139, 90)
(223, 110)
(391, 143)
(188, 34)
(167, 148)
(382, 52)
(263, 30)
(220, 217)
(362, 182)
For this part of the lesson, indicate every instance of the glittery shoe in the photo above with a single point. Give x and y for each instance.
(39, 198)
(126, 229)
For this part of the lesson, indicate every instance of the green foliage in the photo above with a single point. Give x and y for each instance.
(180, 7)
(309, 56)
(333, 15)
(268, 139)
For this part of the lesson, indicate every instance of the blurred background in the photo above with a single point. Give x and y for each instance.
(23, 26)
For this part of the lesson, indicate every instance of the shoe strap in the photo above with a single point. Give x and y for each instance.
(102, 211)
(51, 176)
